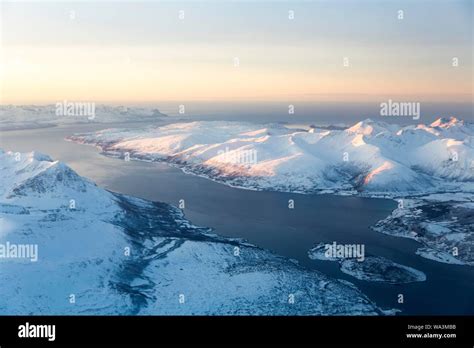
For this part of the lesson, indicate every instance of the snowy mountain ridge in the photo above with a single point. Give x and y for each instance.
(369, 158)
(113, 254)
(13, 117)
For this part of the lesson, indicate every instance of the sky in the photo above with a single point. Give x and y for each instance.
(151, 51)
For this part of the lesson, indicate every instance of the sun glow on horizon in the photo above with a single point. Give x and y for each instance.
(89, 59)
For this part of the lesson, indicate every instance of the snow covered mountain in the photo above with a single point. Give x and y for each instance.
(99, 252)
(35, 116)
(371, 157)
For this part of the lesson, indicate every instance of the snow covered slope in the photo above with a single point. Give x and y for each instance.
(99, 252)
(35, 116)
(371, 157)
(443, 223)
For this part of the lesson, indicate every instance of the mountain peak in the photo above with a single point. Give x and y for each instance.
(445, 122)
(33, 173)
(368, 126)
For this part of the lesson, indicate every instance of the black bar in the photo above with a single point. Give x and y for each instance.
(140, 330)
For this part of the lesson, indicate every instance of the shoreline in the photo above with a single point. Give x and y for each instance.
(416, 199)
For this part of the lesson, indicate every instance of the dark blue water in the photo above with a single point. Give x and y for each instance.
(264, 219)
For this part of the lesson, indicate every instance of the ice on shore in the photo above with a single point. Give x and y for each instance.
(370, 268)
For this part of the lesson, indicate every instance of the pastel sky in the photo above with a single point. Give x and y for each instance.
(124, 51)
